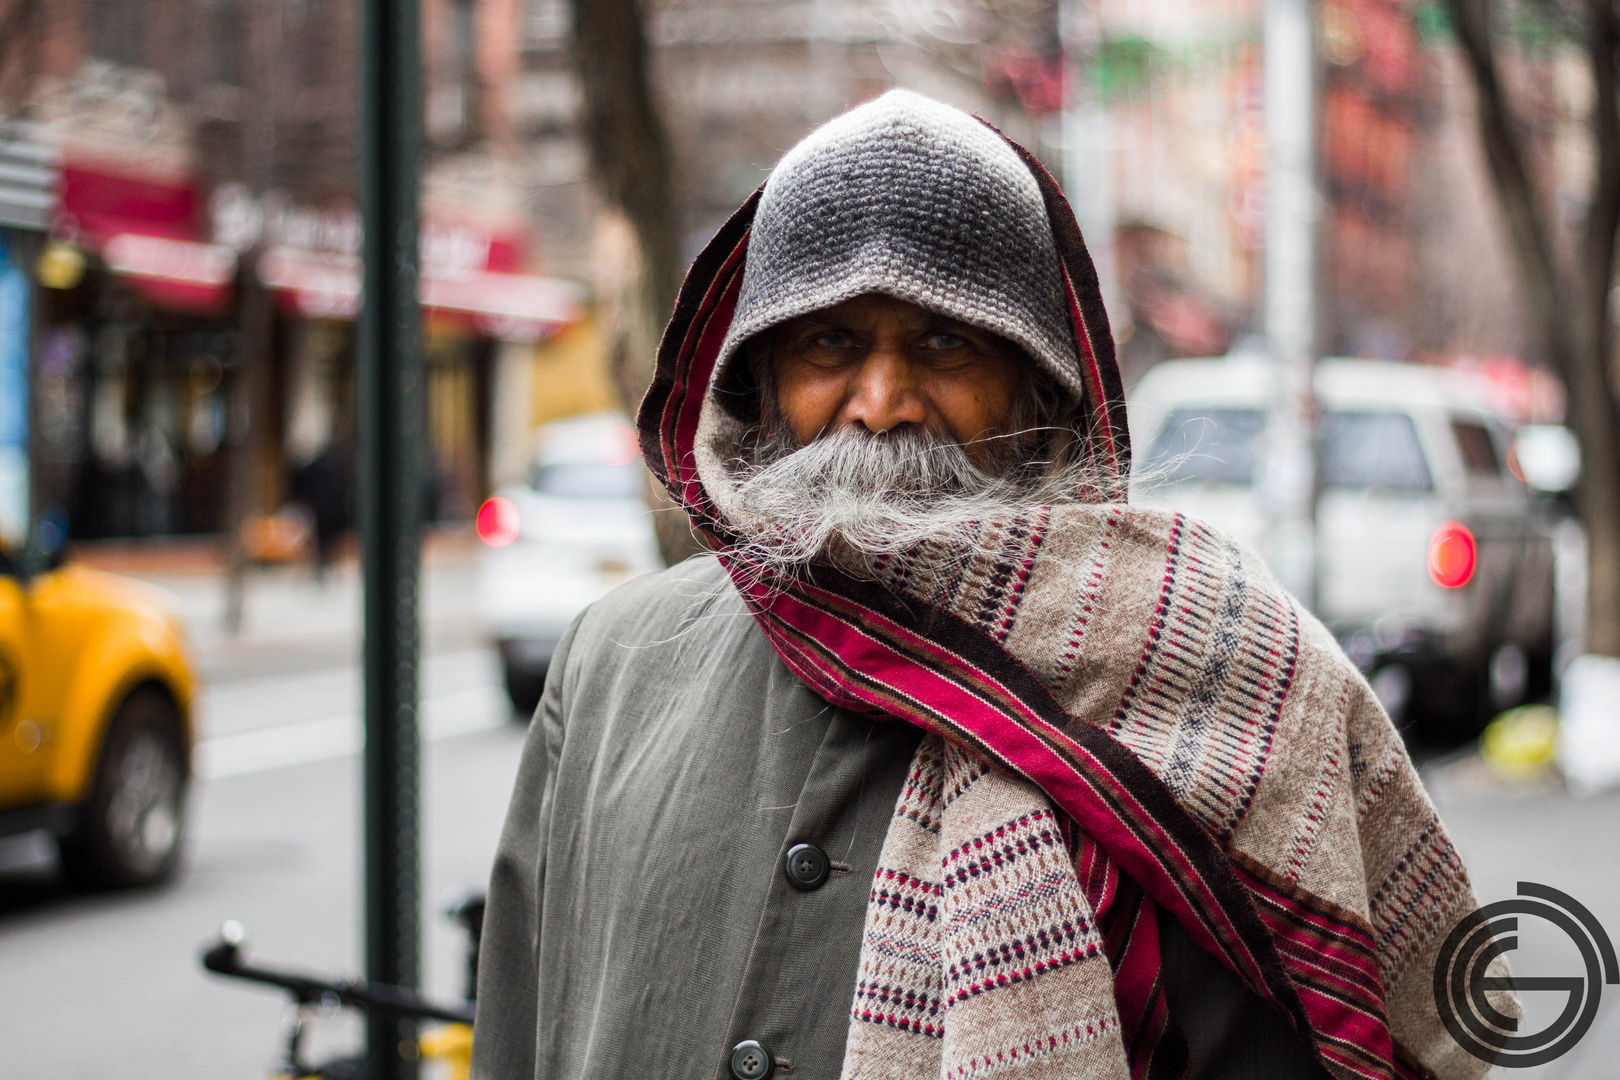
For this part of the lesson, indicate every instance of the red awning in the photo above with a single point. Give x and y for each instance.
(148, 233)
(512, 307)
(98, 205)
(310, 284)
(177, 274)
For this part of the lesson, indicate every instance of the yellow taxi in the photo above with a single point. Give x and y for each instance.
(95, 719)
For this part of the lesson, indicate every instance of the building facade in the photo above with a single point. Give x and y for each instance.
(191, 363)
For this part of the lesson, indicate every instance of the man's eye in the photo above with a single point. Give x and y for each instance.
(944, 341)
(832, 339)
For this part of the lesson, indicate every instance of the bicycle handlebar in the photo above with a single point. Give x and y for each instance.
(225, 958)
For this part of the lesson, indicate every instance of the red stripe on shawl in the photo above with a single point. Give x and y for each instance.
(1022, 750)
(1092, 378)
(708, 348)
(1015, 744)
(1129, 922)
(1025, 743)
(714, 319)
(1138, 990)
(1105, 394)
(1331, 960)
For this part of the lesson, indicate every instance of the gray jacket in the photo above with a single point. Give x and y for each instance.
(640, 920)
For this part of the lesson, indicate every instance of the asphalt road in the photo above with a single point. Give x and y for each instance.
(102, 987)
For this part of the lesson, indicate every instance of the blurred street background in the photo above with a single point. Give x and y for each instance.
(274, 838)
(1358, 257)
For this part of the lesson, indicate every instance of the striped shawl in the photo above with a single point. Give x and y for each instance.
(1126, 715)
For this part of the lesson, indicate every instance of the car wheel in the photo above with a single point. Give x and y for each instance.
(524, 686)
(130, 828)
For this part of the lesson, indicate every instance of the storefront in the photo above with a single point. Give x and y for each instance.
(483, 318)
(141, 354)
(189, 343)
(137, 349)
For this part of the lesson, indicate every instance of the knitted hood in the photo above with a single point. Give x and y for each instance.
(918, 200)
(904, 196)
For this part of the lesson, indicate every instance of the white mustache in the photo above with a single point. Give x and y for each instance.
(852, 495)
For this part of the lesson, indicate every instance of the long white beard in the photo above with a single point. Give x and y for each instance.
(853, 496)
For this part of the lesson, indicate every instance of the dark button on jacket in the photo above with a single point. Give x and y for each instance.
(807, 867)
(750, 1061)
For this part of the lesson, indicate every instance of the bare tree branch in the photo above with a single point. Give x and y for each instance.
(1594, 404)
(1603, 209)
(631, 158)
(1506, 159)
(628, 145)
(16, 40)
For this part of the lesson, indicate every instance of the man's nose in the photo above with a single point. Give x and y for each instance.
(884, 393)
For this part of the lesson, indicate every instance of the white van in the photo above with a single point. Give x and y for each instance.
(1434, 562)
(576, 529)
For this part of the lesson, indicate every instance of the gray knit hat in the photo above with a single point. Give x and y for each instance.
(916, 199)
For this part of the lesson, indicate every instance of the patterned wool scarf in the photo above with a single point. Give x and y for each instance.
(1127, 715)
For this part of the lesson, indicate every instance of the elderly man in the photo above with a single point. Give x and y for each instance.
(946, 761)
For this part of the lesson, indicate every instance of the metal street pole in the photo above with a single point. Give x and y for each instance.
(390, 393)
(1289, 474)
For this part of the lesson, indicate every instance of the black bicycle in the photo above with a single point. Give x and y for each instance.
(449, 1040)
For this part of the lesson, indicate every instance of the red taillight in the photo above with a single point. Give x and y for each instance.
(1452, 555)
(625, 447)
(498, 522)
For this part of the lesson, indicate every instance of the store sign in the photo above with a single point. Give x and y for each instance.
(14, 341)
(145, 229)
(311, 261)
(312, 285)
(179, 274)
(240, 220)
(511, 307)
(98, 204)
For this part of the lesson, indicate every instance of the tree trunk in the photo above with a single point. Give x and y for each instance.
(1569, 309)
(1594, 410)
(629, 151)
(630, 156)
(19, 49)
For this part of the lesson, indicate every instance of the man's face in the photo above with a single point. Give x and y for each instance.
(875, 363)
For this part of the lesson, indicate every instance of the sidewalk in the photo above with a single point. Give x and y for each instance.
(290, 621)
(186, 556)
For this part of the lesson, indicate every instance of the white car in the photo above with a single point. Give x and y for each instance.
(578, 528)
(1434, 561)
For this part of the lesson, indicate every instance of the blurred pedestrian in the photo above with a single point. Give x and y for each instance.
(325, 485)
(946, 759)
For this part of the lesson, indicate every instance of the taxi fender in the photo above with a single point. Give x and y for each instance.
(123, 654)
